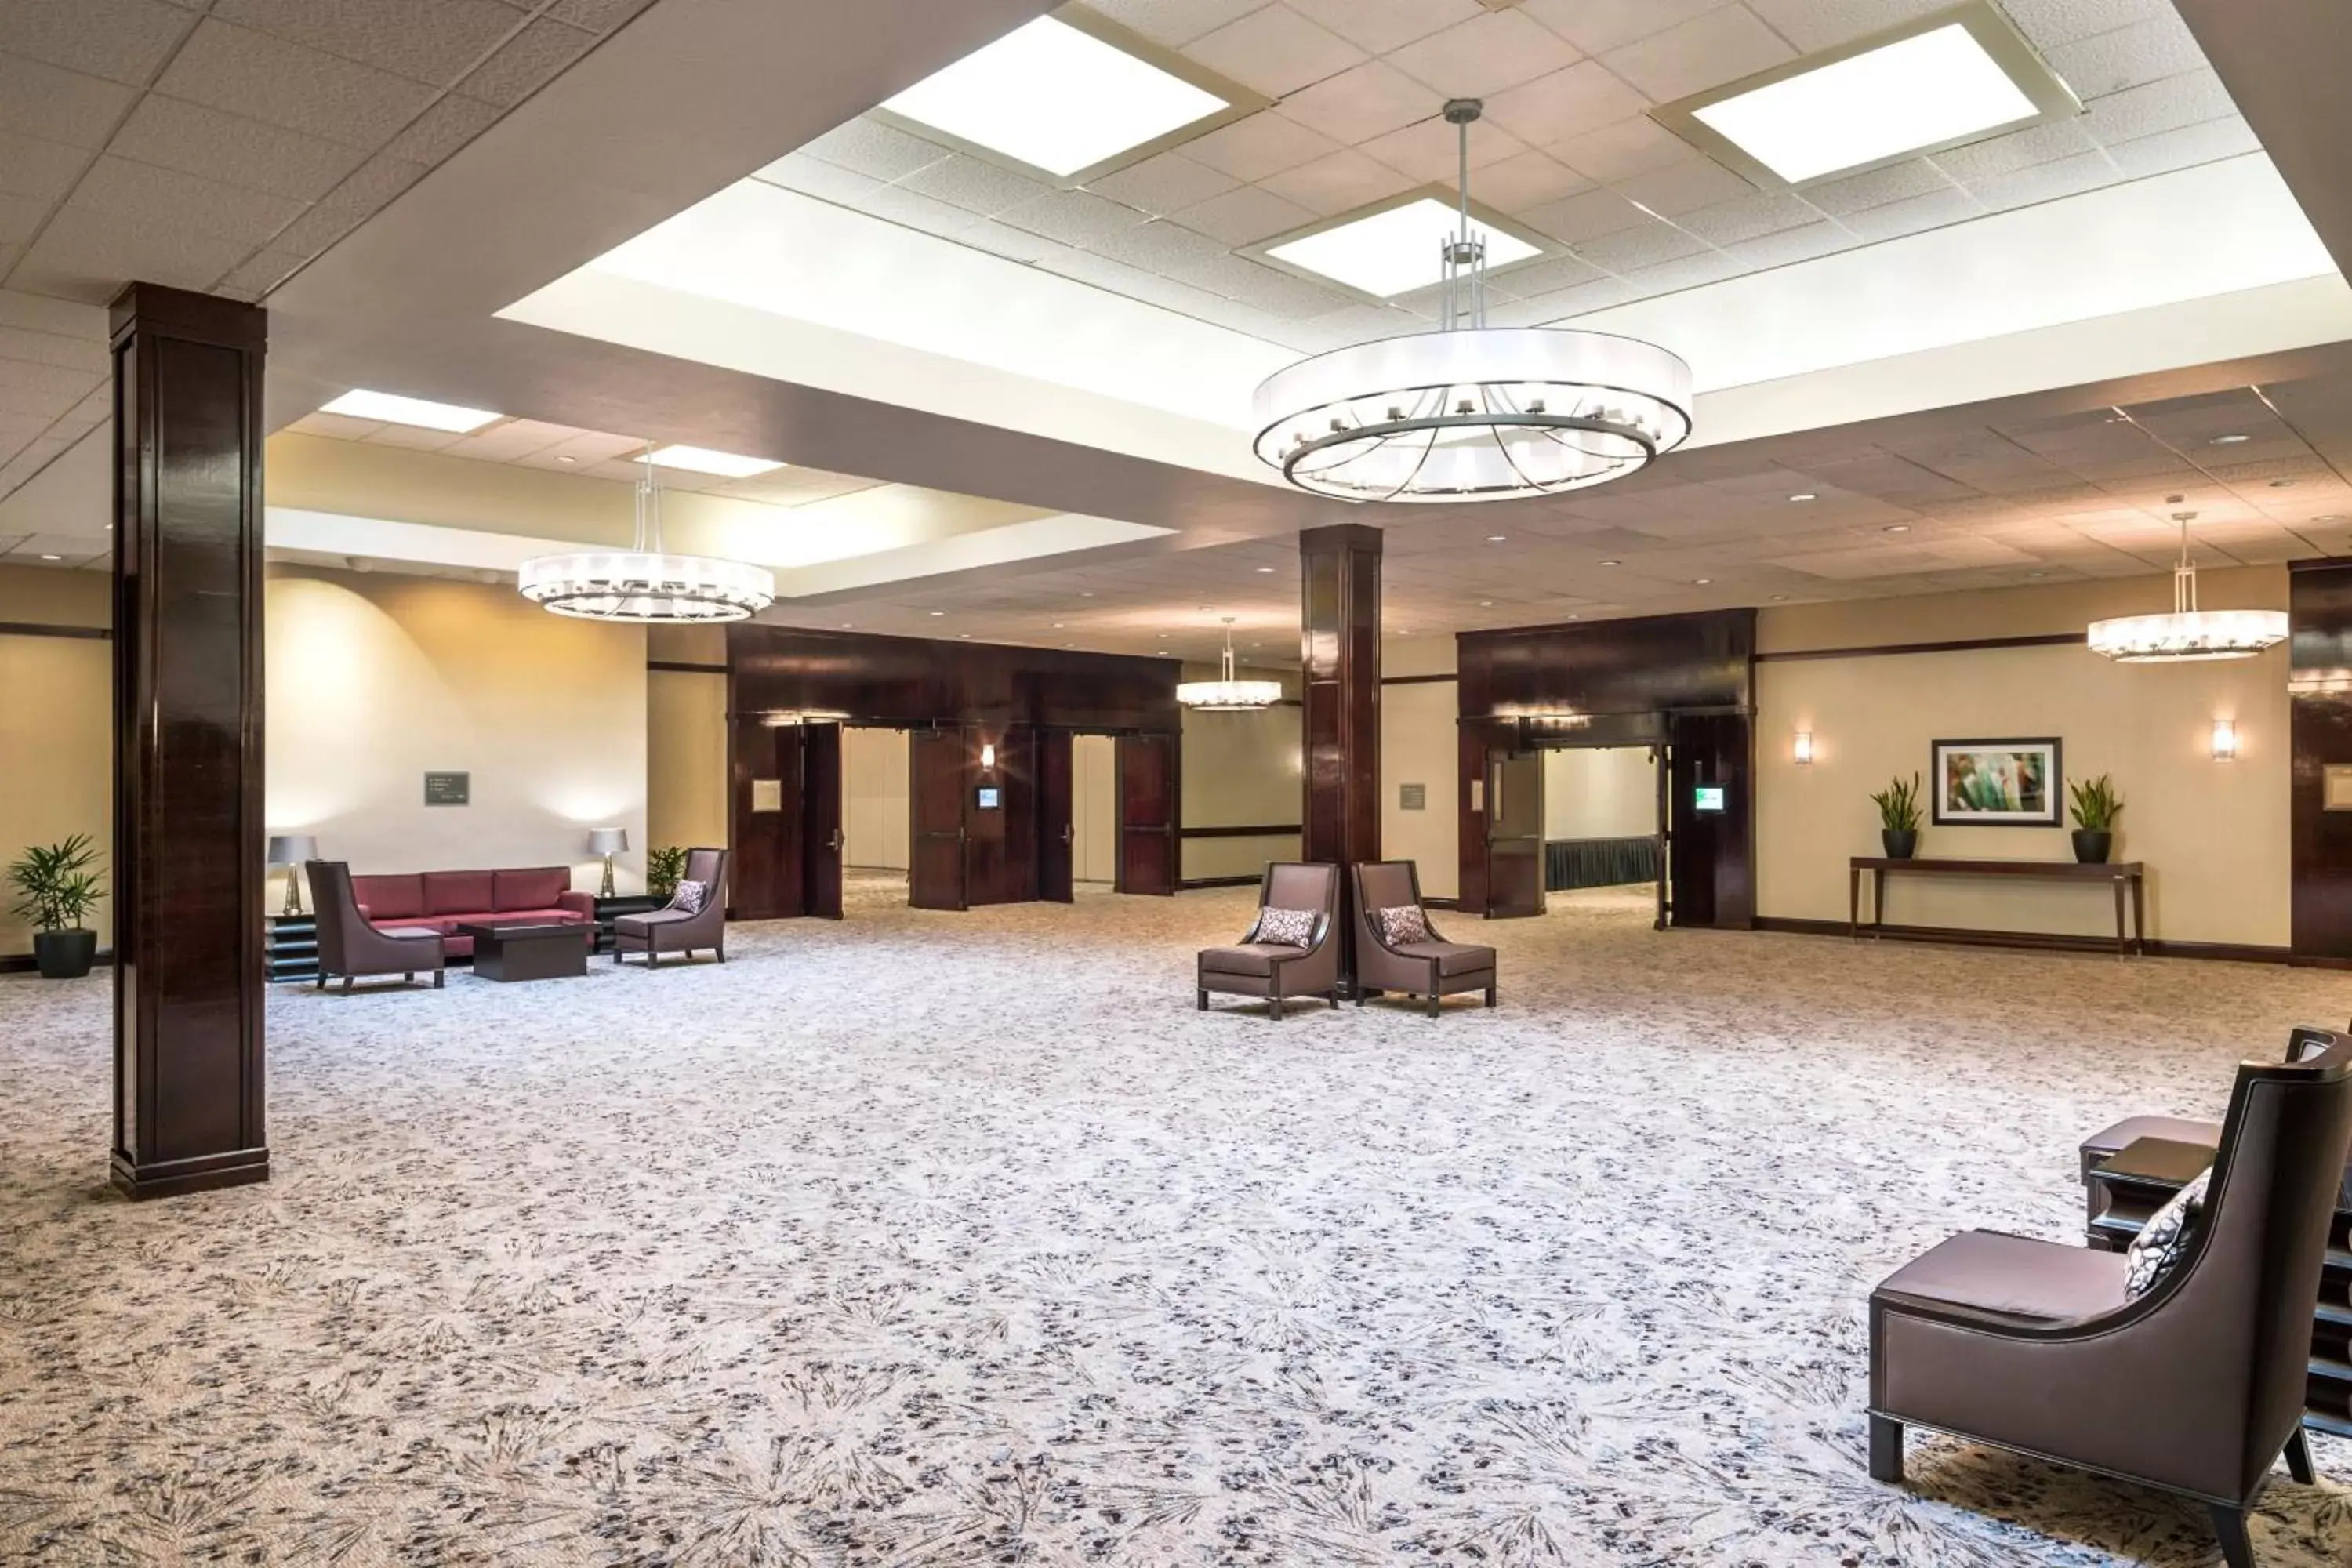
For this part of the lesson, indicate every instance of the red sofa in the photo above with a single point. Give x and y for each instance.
(441, 900)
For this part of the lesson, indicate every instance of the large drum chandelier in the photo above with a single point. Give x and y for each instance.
(647, 583)
(2188, 634)
(1228, 695)
(1471, 412)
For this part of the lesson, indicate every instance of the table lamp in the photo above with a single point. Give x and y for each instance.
(289, 850)
(607, 842)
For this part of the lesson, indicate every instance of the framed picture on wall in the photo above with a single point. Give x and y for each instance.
(1997, 783)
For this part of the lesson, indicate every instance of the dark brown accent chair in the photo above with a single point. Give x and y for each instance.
(2303, 1043)
(1437, 968)
(673, 930)
(2194, 1388)
(1276, 970)
(350, 944)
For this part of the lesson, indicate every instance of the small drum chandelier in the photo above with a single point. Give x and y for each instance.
(2188, 634)
(1228, 695)
(1471, 412)
(647, 583)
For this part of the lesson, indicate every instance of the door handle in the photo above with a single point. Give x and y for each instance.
(840, 840)
(1065, 833)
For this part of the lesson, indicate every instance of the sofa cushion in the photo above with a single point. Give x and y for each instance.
(547, 917)
(457, 892)
(1251, 958)
(395, 896)
(2017, 1274)
(1452, 957)
(536, 888)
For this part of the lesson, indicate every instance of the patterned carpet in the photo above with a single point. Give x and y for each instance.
(945, 1239)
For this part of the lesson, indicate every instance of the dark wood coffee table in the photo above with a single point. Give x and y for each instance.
(528, 950)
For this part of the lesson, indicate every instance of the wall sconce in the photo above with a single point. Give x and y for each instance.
(987, 754)
(1804, 748)
(2225, 740)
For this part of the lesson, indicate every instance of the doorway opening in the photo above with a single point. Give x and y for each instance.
(1602, 846)
(874, 817)
(1093, 813)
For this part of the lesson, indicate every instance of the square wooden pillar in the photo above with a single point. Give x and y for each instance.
(1339, 668)
(188, 830)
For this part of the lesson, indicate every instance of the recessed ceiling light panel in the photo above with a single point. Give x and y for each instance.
(1957, 77)
(394, 409)
(703, 460)
(1396, 247)
(1068, 95)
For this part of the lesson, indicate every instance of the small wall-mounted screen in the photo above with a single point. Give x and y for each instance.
(991, 797)
(1706, 797)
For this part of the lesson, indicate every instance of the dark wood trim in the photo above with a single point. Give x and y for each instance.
(2230, 953)
(23, 964)
(1962, 645)
(43, 629)
(679, 666)
(1191, 883)
(1434, 903)
(1260, 831)
(1417, 680)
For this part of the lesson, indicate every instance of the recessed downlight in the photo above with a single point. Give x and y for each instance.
(1804, 495)
(2281, 484)
(1898, 527)
(2230, 440)
(935, 614)
(1613, 563)
(1497, 538)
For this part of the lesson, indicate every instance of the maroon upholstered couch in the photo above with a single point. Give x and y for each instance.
(441, 900)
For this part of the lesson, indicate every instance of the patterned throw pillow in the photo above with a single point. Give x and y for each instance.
(1400, 926)
(1286, 928)
(2164, 1240)
(689, 898)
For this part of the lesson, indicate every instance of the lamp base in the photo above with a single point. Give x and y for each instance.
(606, 890)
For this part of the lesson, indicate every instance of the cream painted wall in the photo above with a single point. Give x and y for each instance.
(874, 765)
(1094, 801)
(57, 747)
(2214, 835)
(685, 758)
(1599, 792)
(1417, 746)
(1241, 770)
(375, 678)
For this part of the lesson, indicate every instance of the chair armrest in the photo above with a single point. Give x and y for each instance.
(579, 903)
(365, 916)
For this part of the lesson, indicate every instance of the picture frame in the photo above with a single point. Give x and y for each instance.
(2004, 782)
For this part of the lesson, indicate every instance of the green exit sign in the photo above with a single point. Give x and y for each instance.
(1706, 797)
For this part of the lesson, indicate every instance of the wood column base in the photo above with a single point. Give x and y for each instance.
(170, 1178)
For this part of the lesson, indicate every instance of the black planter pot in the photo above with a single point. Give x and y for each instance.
(64, 954)
(1900, 846)
(2091, 845)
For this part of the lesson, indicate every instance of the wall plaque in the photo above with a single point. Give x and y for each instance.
(1413, 797)
(767, 794)
(448, 789)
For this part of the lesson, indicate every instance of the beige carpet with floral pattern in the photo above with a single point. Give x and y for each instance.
(943, 1239)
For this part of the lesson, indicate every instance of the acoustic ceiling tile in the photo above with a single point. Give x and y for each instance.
(449, 124)
(1338, 182)
(234, 149)
(2050, 23)
(1646, 246)
(1430, 149)
(1382, 26)
(1750, 216)
(1175, 23)
(525, 62)
(814, 176)
(84, 255)
(430, 41)
(1622, 149)
(1914, 214)
(2188, 98)
(1163, 184)
(973, 184)
(2228, 137)
(1895, 183)
(2127, 57)
(1275, 51)
(122, 40)
(59, 105)
(1484, 55)
(1707, 51)
(145, 193)
(1264, 143)
(878, 151)
(1581, 101)
(1598, 26)
(1360, 103)
(1073, 217)
(2045, 182)
(1812, 25)
(596, 15)
(1684, 187)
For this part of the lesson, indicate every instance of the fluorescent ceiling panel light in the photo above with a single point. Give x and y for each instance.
(392, 409)
(1928, 91)
(1396, 251)
(703, 460)
(1056, 98)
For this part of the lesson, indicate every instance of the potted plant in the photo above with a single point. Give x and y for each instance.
(2095, 805)
(1898, 818)
(56, 888)
(664, 867)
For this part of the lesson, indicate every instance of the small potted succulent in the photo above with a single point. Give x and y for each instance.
(1898, 818)
(57, 887)
(2095, 806)
(664, 867)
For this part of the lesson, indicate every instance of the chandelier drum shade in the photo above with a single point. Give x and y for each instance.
(1228, 694)
(2188, 634)
(1470, 412)
(647, 583)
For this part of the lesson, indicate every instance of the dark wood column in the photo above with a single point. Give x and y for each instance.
(1339, 668)
(188, 833)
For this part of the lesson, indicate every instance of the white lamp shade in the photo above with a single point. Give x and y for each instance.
(607, 840)
(292, 848)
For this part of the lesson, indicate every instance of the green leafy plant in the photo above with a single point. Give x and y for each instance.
(2096, 804)
(57, 885)
(1898, 806)
(664, 867)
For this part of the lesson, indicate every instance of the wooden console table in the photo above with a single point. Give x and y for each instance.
(2128, 877)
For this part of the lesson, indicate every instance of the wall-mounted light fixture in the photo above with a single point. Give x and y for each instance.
(1804, 748)
(987, 754)
(2225, 740)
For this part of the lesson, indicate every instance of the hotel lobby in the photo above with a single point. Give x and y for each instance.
(1291, 782)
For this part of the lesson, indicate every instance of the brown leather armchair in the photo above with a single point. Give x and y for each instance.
(350, 944)
(673, 930)
(2196, 1386)
(1276, 970)
(1437, 968)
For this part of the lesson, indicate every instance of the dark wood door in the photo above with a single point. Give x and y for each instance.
(1147, 814)
(1515, 834)
(1710, 813)
(1661, 759)
(822, 839)
(939, 774)
(764, 883)
(1057, 815)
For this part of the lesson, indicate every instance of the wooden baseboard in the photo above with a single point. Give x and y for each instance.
(1189, 883)
(23, 964)
(2050, 941)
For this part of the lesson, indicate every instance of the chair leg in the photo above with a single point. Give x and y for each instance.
(2298, 1460)
(322, 980)
(408, 978)
(1200, 998)
(1434, 1002)
(437, 976)
(1335, 999)
(1273, 1008)
(1490, 995)
(347, 985)
(2237, 1546)
(1886, 1449)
